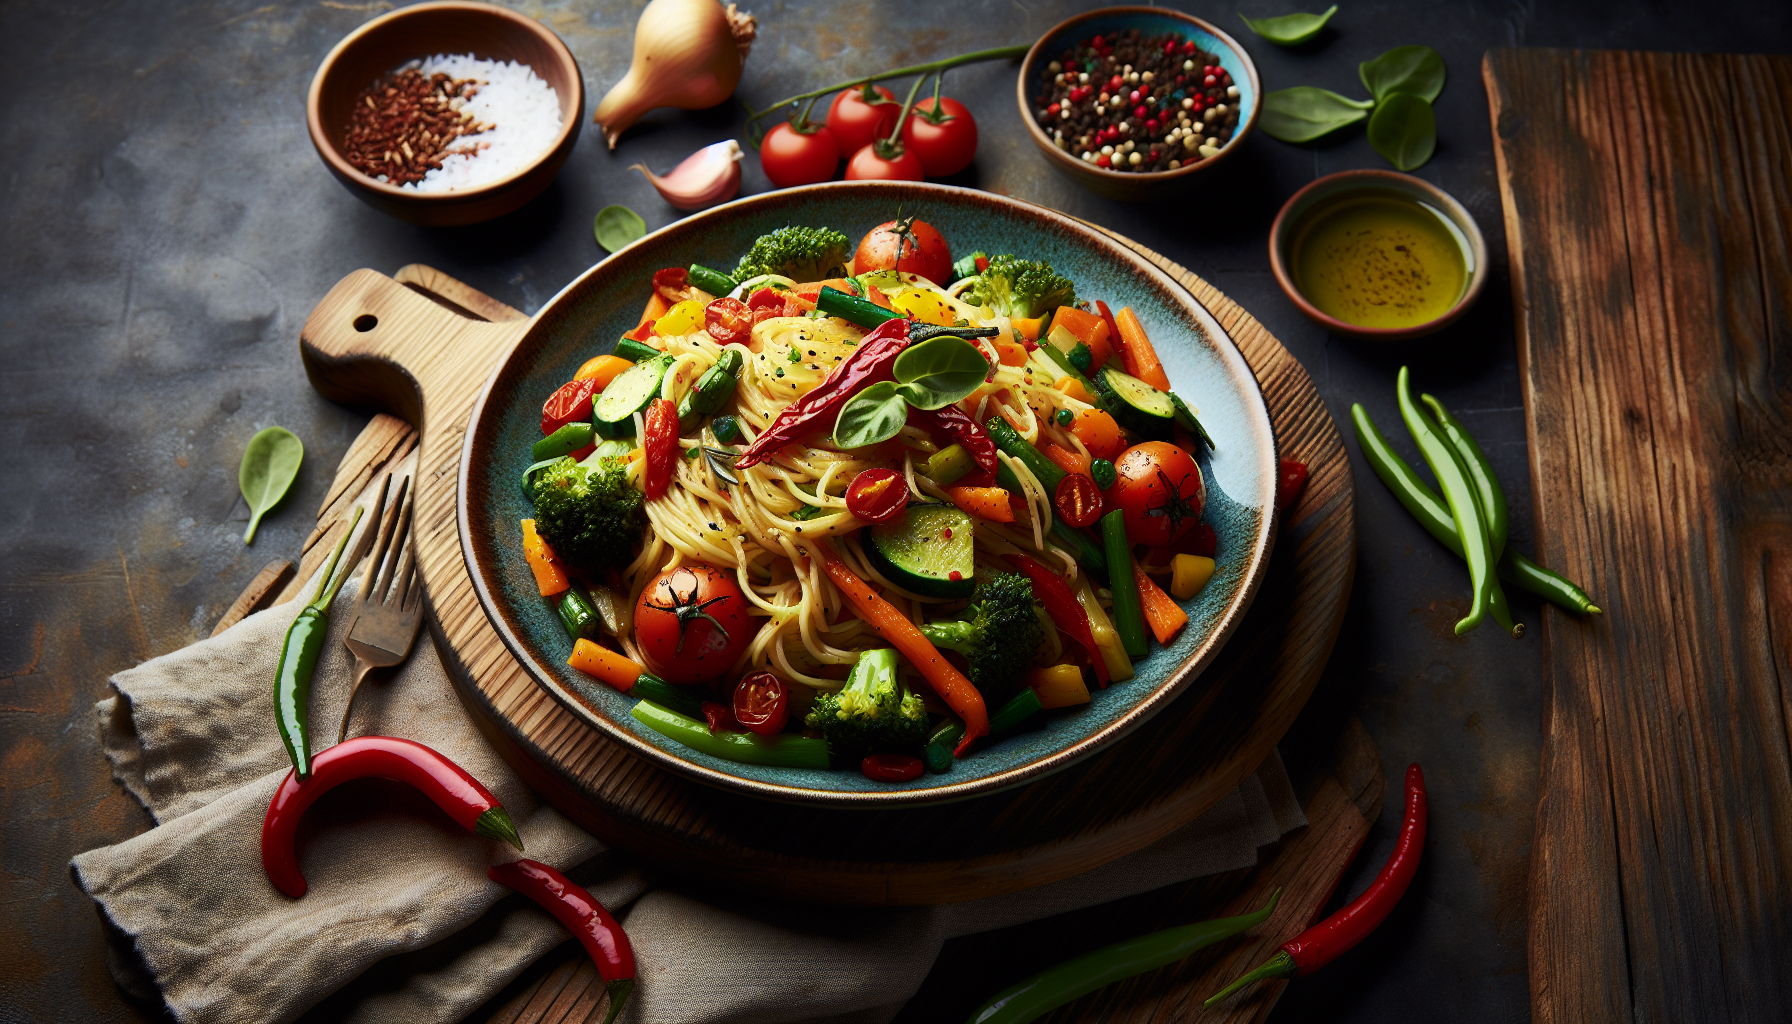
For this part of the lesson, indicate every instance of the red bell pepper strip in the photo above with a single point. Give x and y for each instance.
(661, 446)
(1327, 940)
(874, 360)
(384, 757)
(956, 426)
(1063, 608)
(581, 914)
(1107, 317)
(1291, 480)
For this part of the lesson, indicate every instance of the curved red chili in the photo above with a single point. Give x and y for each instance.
(383, 757)
(955, 425)
(872, 361)
(1327, 940)
(1063, 608)
(581, 914)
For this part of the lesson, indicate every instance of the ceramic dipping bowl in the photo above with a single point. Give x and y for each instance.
(386, 44)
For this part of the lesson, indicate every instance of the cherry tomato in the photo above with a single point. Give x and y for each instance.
(673, 284)
(570, 404)
(662, 447)
(866, 165)
(728, 321)
(855, 123)
(923, 251)
(945, 146)
(876, 495)
(790, 157)
(761, 703)
(766, 298)
(1291, 482)
(1159, 488)
(1078, 500)
(692, 624)
(891, 767)
(719, 718)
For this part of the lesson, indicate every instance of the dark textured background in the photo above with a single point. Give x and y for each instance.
(167, 227)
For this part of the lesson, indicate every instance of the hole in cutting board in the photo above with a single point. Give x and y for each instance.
(366, 322)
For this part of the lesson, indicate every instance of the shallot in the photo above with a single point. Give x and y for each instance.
(688, 54)
(707, 177)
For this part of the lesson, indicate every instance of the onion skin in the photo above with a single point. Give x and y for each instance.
(688, 54)
(707, 177)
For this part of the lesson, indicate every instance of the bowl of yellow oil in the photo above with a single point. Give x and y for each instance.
(1378, 255)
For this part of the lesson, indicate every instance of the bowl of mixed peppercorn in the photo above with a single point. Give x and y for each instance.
(1132, 101)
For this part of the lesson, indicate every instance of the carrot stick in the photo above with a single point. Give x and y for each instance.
(1141, 358)
(550, 579)
(989, 503)
(1164, 615)
(894, 626)
(604, 664)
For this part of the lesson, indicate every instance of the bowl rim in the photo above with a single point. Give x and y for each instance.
(1256, 557)
(1031, 60)
(327, 148)
(1377, 179)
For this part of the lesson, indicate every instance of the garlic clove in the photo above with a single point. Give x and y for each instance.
(707, 177)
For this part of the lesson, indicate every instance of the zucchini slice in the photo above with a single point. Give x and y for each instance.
(631, 392)
(924, 549)
(1137, 406)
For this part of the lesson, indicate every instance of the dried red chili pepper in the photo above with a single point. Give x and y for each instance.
(874, 360)
(1064, 610)
(381, 757)
(582, 915)
(1327, 940)
(955, 425)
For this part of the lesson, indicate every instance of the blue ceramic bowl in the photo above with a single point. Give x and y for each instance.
(1130, 186)
(587, 317)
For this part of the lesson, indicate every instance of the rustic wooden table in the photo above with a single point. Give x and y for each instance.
(167, 228)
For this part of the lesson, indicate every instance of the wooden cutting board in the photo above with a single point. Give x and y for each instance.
(385, 342)
(1648, 202)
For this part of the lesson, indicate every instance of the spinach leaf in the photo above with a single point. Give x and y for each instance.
(1290, 29)
(270, 465)
(874, 414)
(1416, 70)
(1304, 113)
(940, 371)
(1404, 129)
(617, 226)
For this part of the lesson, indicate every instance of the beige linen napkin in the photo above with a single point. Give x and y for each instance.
(401, 923)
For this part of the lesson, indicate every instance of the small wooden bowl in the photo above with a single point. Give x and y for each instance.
(1136, 186)
(385, 44)
(1281, 237)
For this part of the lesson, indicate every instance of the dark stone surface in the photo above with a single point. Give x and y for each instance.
(167, 227)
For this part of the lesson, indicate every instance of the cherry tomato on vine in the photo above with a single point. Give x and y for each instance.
(868, 165)
(923, 251)
(855, 123)
(761, 703)
(1078, 500)
(570, 404)
(791, 157)
(728, 321)
(692, 624)
(877, 495)
(661, 445)
(945, 146)
(1159, 488)
(891, 767)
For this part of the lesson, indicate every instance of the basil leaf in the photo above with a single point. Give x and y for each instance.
(940, 371)
(1404, 129)
(1416, 70)
(1290, 29)
(617, 226)
(1304, 113)
(874, 414)
(270, 465)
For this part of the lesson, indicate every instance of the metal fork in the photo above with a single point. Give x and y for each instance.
(390, 605)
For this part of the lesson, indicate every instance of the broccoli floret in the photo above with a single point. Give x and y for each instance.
(1022, 288)
(998, 637)
(589, 514)
(873, 714)
(799, 253)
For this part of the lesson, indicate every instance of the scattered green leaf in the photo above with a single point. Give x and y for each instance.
(874, 414)
(804, 513)
(1404, 129)
(617, 226)
(270, 465)
(1304, 113)
(940, 371)
(1290, 29)
(1414, 70)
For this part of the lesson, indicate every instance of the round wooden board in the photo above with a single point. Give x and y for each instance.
(415, 350)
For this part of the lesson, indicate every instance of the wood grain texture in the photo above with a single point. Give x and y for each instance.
(1648, 202)
(260, 593)
(412, 357)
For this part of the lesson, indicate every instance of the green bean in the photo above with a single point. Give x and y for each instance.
(781, 751)
(712, 390)
(565, 441)
(1009, 440)
(851, 308)
(1129, 619)
(1020, 707)
(650, 687)
(1459, 493)
(1089, 554)
(712, 281)
(940, 744)
(636, 351)
(577, 614)
(948, 465)
(1487, 485)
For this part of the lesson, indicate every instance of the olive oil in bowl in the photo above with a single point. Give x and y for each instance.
(1380, 260)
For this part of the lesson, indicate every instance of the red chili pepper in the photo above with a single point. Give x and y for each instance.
(954, 424)
(1064, 610)
(1327, 940)
(1107, 316)
(581, 914)
(1291, 482)
(661, 447)
(383, 757)
(874, 360)
(891, 767)
(673, 284)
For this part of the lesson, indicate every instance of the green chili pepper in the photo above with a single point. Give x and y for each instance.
(1073, 979)
(1459, 492)
(712, 281)
(1429, 510)
(851, 308)
(298, 659)
(636, 351)
(940, 744)
(1129, 618)
(782, 751)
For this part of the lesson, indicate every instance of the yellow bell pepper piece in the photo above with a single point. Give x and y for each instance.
(1188, 574)
(680, 320)
(1059, 686)
(923, 306)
